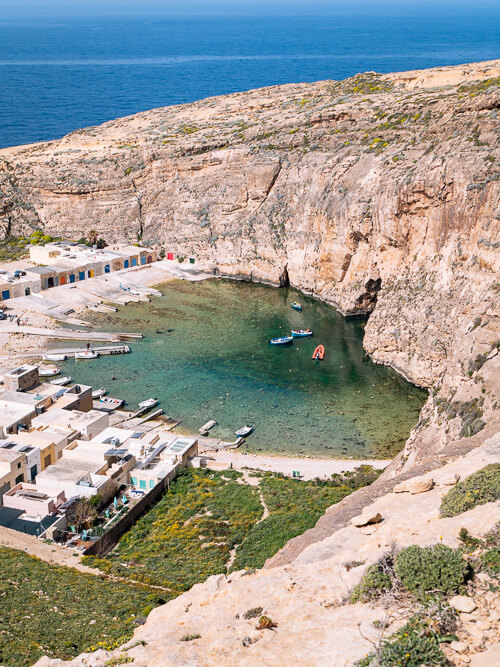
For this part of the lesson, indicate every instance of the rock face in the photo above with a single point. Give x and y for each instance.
(377, 194)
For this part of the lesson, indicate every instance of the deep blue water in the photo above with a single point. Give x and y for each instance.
(58, 76)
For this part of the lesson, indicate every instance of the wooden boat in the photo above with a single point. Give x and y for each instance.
(97, 393)
(284, 340)
(319, 353)
(243, 432)
(302, 333)
(296, 306)
(61, 382)
(54, 357)
(149, 403)
(48, 372)
(111, 402)
(86, 354)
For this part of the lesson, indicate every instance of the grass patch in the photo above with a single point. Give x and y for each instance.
(294, 507)
(479, 488)
(48, 609)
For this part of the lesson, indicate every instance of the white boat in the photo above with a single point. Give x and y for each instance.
(61, 382)
(246, 430)
(97, 393)
(111, 402)
(150, 403)
(86, 354)
(48, 372)
(54, 357)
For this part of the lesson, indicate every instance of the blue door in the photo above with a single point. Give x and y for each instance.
(107, 268)
(72, 277)
(125, 264)
(81, 275)
(134, 261)
(5, 294)
(143, 259)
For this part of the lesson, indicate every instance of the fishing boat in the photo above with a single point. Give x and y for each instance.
(319, 353)
(86, 354)
(302, 333)
(243, 432)
(296, 306)
(97, 393)
(48, 372)
(54, 357)
(149, 403)
(284, 340)
(111, 402)
(61, 382)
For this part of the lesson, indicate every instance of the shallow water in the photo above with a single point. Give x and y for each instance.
(216, 363)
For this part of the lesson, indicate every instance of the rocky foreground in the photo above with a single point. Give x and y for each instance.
(379, 194)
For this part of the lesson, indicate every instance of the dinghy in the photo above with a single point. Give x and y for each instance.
(319, 353)
(302, 333)
(86, 354)
(54, 357)
(111, 402)
(97, 393)
(61, 382)
(243, 432)
(296, 306)
(48, 372)
(149, 403)
(284, 340)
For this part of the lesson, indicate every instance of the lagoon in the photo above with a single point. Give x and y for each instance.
(213, 361)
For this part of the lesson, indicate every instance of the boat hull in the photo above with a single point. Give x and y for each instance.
(302, 334)
(319, 353)
(281, 341)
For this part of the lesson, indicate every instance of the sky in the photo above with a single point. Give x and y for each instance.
(26, 9)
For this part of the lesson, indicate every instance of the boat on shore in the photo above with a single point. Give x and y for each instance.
(61, 382)
(54, 357)
(244, 431)
(86, 354)
(149, 403)
(296, 306)
(302, 333)
(283, 340)
(97, 393)
(319, 353)
(114, 403)
(48, 372)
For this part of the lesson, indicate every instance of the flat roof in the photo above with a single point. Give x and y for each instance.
(18, 520)
(11, 412)
(41, 270)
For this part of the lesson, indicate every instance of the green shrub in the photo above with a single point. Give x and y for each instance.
(413, 645)
(431, 569)
(479, 488)
(374, 583)
(490, 560)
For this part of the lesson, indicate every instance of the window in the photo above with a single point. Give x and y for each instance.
(18, 466)
(142, 484)
(59, 455)
(151, 483)
(134, 480)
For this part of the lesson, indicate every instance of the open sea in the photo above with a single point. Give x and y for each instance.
(58, 76)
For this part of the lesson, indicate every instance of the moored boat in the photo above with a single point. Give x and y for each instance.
(86, 354)
(48, 372)
(302, 333)
(97, 393)
(111, 402)
(283, 340)
(244, 431)
(296, 306)
(54, 357)
(61, 382)
(149, 403)
(319, 353)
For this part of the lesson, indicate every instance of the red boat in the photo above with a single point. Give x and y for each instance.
(319, 352)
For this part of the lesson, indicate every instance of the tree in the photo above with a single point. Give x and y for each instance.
(81, 512)
(92, 237)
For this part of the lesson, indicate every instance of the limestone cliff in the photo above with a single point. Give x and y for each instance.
(379, 194)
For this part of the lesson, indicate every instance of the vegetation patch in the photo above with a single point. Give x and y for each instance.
(59, 612)
(479, 488)
(377, 580)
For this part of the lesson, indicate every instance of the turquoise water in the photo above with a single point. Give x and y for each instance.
(216, 363)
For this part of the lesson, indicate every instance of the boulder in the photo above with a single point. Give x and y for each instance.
(458, 647)
(463, 603)
(413, 486)
(366, 519)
